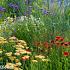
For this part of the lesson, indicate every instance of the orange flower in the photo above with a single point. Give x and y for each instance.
(46, 44)
(25, 57)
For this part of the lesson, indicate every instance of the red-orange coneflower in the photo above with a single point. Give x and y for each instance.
(66, 53)
(25, 57)
(66, 43)
(59, 38)
(46, 44)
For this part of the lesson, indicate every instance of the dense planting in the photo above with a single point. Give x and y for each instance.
(35, 35)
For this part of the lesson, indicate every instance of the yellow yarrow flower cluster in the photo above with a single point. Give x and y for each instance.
(3, 40)
(21, 50)
(13, 66)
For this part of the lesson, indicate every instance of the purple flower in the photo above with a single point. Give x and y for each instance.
(2, 9)
(15, 6)
(27, 2)
(52, 1)
(45, 11)
(59, 3)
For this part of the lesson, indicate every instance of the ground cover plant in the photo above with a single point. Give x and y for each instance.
(35, 35)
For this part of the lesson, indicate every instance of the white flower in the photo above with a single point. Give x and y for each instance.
(22, 18)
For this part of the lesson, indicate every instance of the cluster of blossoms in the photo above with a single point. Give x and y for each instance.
(66, 53)
(40, 57)
(11, 5)
(15, 6)
(3, 40)
(2, 9)
(13, 66)
(58, 42)
(21, 54)
(45, 12)
(21, 50)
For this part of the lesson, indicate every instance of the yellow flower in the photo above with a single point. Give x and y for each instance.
(17, 53)
(16, 68)
(18, 64)
(3, 40)
(18, 43)
(40, 56)
(34, 61)
(27, 47)
(22, 51)
(12, 58)
(12, 39)
(18, 49)
(9, 66)
(16, 60)
(28, 52)
(20, 46)
(45, 60)
(9, 54)
(22, 42)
